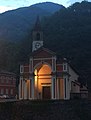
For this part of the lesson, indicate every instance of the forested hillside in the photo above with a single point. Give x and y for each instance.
(67, 32)
(15, 24)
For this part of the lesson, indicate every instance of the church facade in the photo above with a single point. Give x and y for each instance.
(46, 76)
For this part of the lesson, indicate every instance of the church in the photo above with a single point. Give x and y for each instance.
(46, 76)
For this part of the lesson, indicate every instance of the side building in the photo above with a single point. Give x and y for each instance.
(7, 84)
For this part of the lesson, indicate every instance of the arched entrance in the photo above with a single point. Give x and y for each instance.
(43, 82)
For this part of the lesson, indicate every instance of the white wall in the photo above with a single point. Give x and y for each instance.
(73, 76)
(75, 88)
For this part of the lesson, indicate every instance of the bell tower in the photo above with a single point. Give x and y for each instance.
(37, 36)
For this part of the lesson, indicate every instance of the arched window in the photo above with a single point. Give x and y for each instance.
(38, 36)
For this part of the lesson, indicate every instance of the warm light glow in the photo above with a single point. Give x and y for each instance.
(45, 72)
(61, 88)
(42, 78)
(36, 77)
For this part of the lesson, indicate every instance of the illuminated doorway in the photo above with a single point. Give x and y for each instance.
(43, 82)
(46, 92)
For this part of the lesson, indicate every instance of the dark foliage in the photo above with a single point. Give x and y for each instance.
(69, 32)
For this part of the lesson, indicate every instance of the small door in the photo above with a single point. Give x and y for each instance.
(46, 92)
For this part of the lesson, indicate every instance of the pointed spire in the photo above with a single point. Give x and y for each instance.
(37, 26)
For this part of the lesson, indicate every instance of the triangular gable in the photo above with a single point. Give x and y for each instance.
(43, 53)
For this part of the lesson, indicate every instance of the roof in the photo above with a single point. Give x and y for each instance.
(6, 72)
(61, 60)
(43, 49)
(37, 26)
(77, 83)
(73, 68)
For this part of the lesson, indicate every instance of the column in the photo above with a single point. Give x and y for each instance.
(20, 89)
(53, 88)
(58, 83)
(25, 89)
(66, 88)
(32, 88)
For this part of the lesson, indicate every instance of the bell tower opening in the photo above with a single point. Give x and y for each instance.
(37, 36)
(43, 82)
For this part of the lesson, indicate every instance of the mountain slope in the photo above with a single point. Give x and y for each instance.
(67, 32)
(15, 24)
(72, 32)
(49, 6)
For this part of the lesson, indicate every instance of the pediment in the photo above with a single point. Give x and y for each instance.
(43, 53)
